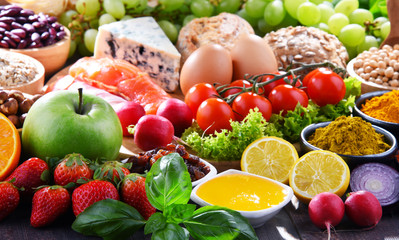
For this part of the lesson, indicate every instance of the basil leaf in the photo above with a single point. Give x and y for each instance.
(168, 182)
(156, 222)
(214, 222)
(171, 231)
(178, 213)
(109, 219)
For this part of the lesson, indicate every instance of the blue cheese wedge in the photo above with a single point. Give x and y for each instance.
(143, 43)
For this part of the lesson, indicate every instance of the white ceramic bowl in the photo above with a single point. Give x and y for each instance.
(256, 218)
(211, 173)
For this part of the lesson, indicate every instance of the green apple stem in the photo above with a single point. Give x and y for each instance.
(80, 90)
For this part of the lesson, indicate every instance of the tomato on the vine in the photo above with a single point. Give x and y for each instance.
(308, 76)
(249, 100)
(269, 87)
(236, 83)
(286, 97)
(214, 114)
(199, 93)
(326, 87)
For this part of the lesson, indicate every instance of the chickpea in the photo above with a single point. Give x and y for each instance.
(394, 83)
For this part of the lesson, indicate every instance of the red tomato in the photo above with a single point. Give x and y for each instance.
(236, 83)
(214, 114)
(308, 76)
(249, 100)
(269, 87)
(326, 87)
(286, 97)
(199, 93)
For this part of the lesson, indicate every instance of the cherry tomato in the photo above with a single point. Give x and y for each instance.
(308, 76)
(269, 87)
(326, 87)
(236, 83)
(214, 114)
(199, 93)
(249, 100)
(286, 97)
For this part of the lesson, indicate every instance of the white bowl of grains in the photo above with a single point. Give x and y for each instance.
(377, 69)
(21, 72)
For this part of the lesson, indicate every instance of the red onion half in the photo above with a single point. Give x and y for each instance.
(379, 179)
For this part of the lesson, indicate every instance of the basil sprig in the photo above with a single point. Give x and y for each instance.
(168, 188)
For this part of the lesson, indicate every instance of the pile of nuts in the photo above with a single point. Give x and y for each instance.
(380, 66)
(15, 105)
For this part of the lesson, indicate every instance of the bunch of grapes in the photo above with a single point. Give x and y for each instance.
(171, 15)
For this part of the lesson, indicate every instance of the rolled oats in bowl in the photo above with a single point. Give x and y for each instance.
(16, 71)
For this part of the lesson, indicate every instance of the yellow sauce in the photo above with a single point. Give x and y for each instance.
(242, 192)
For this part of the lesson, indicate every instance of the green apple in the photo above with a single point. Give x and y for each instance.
(55, 127)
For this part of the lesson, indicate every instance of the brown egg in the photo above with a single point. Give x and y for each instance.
(252, 55)
(210, 63)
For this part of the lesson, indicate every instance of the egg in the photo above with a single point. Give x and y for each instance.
(210, 63)
(252, 55)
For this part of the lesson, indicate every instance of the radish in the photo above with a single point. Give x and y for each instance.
(178, 113)
(153, 131)
(326, 210)
(363, 208)
(129, 113)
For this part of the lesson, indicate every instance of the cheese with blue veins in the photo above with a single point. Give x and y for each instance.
(143, 43)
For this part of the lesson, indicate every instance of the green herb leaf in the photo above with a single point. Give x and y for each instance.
(178, 213)
(171, 231)
(109, 219)
(168, 182)
(214, 222)
(353, 87)
(156, 222)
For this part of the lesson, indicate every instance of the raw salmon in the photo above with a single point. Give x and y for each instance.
(122, 78)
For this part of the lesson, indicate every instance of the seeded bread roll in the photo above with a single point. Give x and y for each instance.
(306, 45)
(223, 29)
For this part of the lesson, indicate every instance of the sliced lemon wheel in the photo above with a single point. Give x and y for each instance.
(270, 157)
(317, 172)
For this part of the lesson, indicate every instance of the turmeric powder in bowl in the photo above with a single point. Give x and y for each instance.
(384, 107)
(349, 136)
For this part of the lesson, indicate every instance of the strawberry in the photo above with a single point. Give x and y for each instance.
(112, 171)
(91, 192)
(72, 168)
(9, 199)
(133, 193)
(31, 174)
(48, 204)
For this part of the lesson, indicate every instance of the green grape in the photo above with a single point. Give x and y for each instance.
(169, 29)
(291, 6)
(287, 21)
(105, 19)
(308, 14)
(378, 22)
(67, 17)
(171, 5)
(230, 6)
(264, 27)
(252, 21)
(369, 41)
(325, 12)
(352, 35)
(126, 17)
(352, 51)
(94, 23)
(72, 48)
(201, 8)
(88, 7)
(360, 16)
(140, 7)
(187, 19)
(346, 6)
(336, 22)
(255, 8)
(131, 3)
(324, 27)
(115, 8)
(385, 29)
(317, 2)
(89, 39)
(328, 3)
(274, 13)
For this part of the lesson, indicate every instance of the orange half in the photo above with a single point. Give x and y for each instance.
(10, 147)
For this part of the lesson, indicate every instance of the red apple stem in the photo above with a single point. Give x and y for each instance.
(80, 90)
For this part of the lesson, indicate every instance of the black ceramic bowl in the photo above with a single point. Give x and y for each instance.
(391, 127)
(386, 157)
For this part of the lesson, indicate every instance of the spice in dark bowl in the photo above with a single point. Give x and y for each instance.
(387, 119)
(355, 140)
